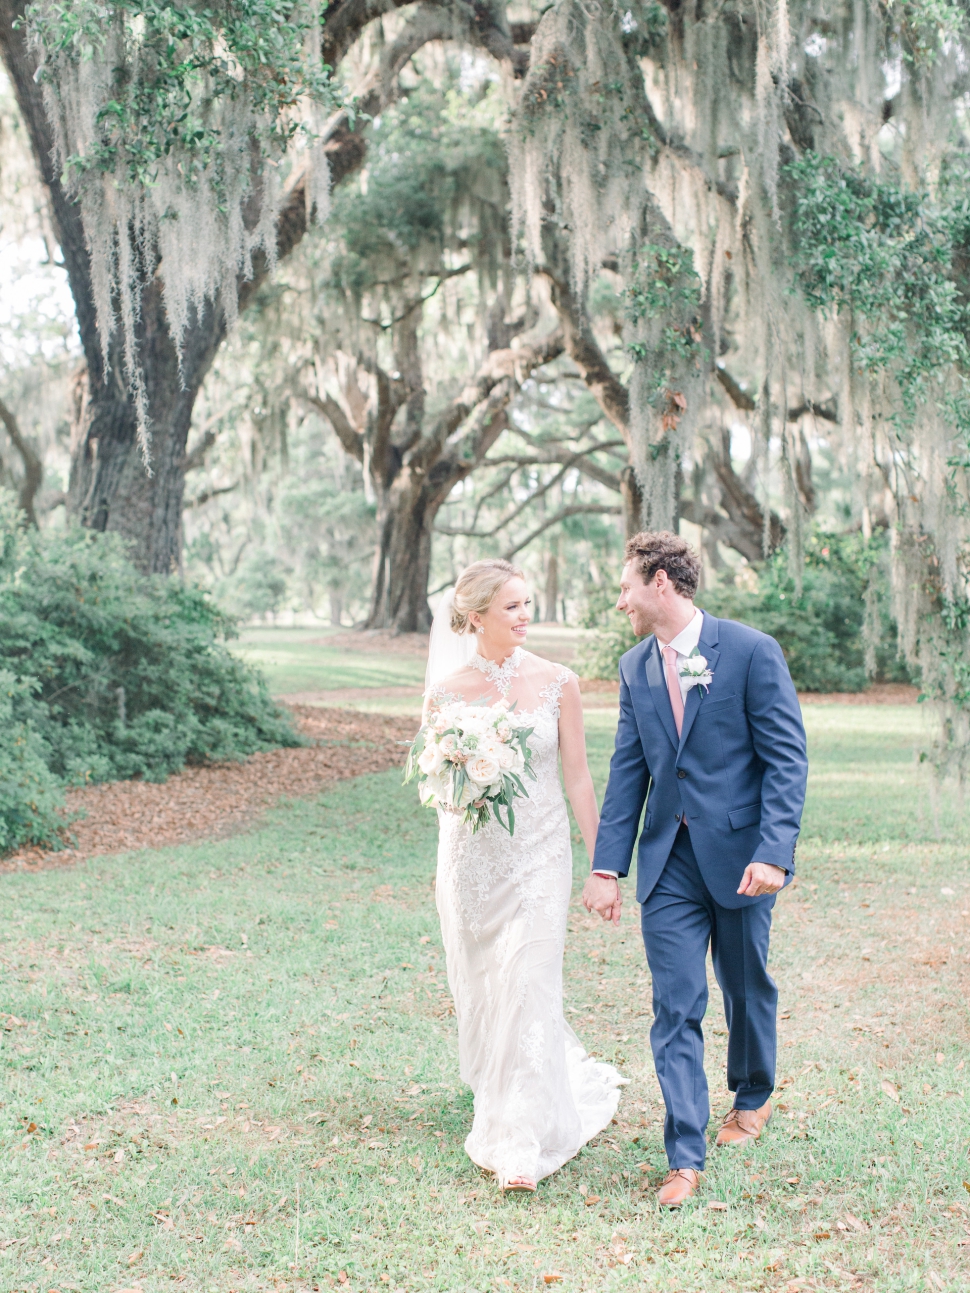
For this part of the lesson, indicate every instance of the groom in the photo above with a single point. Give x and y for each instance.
(711, 743)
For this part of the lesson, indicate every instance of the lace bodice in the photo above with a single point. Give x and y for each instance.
(525, 680)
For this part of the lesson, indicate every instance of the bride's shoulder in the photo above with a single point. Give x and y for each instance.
(451, 687)
(548, 667)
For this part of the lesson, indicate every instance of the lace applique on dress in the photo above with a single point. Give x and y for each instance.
(552, 693)
(499, 675)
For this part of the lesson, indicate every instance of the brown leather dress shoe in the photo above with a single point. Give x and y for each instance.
(743, 1125)
(679, 1184)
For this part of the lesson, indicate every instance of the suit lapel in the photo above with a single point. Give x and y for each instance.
(658, 690)
(695, 697)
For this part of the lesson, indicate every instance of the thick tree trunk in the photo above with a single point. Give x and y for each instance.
(110, 488)
(402, 564)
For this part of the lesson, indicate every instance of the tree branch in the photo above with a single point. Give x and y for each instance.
(577, 459)
(739, 398)
(420, 300)
(574, 509)
(582, 349)
(747, 403)
(208, 494)
(499, 366)
(351, 441)
(516, 511)
(33, 466)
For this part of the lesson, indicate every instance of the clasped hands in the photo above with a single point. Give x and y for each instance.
(602, 893)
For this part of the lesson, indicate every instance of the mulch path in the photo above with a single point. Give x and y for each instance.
(225, 798)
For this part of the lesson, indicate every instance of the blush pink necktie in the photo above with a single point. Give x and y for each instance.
(673, 687)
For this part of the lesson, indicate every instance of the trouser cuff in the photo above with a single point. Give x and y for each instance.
(749, 1100)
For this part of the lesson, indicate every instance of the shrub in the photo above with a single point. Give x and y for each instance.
(599, 654)
(115, 674)
(29, 792)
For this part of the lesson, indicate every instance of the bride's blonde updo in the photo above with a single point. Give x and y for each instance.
(477, 587)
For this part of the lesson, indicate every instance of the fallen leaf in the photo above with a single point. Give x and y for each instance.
(940, 1057)
(31, 1127)
(890, 1090)
(120, 1156)
(591, 1199)
(822, 1234)
(136, 1256)
(855, 1223)
(342, 1276)
(552, 1277)
(717, 1206)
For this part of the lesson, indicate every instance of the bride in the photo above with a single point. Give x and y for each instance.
(503, 900)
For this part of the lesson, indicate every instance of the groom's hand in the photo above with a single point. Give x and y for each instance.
(602, 894)
(760, 878)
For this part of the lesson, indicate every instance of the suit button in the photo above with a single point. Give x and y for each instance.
(681, 773)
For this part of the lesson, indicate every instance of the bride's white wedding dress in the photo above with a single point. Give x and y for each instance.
(503, 903)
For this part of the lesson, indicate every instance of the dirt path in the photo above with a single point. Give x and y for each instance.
(212, 802)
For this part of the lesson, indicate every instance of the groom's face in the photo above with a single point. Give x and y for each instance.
(641, 603)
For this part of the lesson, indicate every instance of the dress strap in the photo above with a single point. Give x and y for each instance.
(552, 692)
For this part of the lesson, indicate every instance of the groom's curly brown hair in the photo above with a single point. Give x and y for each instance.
(653, 550)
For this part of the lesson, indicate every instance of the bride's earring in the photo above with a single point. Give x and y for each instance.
(481, 630)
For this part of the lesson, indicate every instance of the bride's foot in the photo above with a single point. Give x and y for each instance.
(514, 1184)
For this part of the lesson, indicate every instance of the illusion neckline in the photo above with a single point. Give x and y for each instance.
(500, 674)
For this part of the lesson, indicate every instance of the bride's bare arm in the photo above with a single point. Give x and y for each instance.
(575, 769)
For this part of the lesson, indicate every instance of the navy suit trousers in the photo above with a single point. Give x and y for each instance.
(679, 920)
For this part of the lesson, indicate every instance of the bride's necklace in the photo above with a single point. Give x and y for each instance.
(500, 675)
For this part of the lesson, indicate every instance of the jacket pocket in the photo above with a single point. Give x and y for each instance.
(722, 702)
(646, 822)
(740, 817)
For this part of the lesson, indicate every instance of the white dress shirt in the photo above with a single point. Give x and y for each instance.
(684, 643)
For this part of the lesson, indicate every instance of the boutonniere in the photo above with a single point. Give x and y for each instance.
(695, 671)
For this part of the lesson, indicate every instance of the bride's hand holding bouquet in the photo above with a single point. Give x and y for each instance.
(471, 759)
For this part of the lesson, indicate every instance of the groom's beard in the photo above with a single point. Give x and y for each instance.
(640, 625)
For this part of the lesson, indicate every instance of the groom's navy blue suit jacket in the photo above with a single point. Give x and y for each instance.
(738, 770)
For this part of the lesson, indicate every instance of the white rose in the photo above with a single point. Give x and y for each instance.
(448, 745)
(433, 791)
(695, 664)
(430, 759)
(506, 757)
(503, 731)
(483, 769)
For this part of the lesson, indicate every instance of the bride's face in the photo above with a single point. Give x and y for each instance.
(506, 621)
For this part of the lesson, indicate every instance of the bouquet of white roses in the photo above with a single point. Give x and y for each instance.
(471, 759)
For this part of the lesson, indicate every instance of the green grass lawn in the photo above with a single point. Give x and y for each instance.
(233, 1066)
(299, 660)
